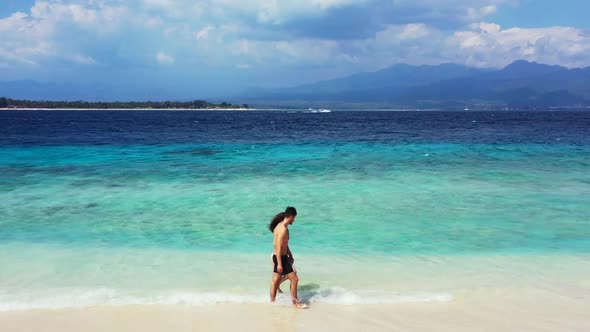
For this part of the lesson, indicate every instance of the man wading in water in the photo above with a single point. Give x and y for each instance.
(282, 257)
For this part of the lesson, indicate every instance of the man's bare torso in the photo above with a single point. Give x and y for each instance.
(281, 231)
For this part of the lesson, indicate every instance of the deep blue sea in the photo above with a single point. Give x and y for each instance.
(106, 205)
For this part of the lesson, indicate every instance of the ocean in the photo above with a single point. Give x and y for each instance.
(172, 207)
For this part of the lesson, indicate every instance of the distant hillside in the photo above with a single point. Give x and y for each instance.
(520, 84)
(371, 85)
(395, 77)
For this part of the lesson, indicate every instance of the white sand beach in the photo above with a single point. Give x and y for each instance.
(462, 294)
(484, 310)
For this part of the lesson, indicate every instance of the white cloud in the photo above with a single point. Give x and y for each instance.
(83, 59)
(41, 35)
(203, 33)
(23, 40)
(488, 10)
(164, 58)
(394, 34)
(100, 18)
(151, 22)
(15, 22)
(480, 13)
(255, 34)
(414, 31)
(482, 45)
(487, 44)
(287, 52)
(168, 8)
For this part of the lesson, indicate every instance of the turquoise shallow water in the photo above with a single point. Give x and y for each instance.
(364, 198)
(155, 213)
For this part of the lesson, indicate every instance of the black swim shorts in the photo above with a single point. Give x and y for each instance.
(287, 268)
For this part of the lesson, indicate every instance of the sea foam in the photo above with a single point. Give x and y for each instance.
(83, 298)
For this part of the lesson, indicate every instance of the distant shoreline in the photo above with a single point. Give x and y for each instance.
(131, 109)
(499, 109)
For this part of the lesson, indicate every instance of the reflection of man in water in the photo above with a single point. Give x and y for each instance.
(282, 256)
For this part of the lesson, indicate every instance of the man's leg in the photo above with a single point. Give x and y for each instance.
(284, 278)
(294, 281)
(274, 284)
(281, 281)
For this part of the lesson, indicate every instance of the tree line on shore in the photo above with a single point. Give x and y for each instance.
(196, 104)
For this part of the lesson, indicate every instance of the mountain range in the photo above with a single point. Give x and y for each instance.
(520, 84)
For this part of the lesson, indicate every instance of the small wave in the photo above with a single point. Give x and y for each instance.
(346, 297)
(83, 298)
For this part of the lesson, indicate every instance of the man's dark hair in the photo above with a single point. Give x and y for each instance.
(289, 212)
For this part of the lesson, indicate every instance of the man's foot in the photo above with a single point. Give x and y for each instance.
(299, 305)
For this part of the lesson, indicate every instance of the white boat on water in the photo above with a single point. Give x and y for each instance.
(320, 110)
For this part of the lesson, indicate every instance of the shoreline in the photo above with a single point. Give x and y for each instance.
(47, 284)
(484, 310)
(135, 109)
(305, 110)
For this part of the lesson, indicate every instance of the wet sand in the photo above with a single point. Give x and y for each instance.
(487, 309)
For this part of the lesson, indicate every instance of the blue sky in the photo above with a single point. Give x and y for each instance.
(216, 47)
